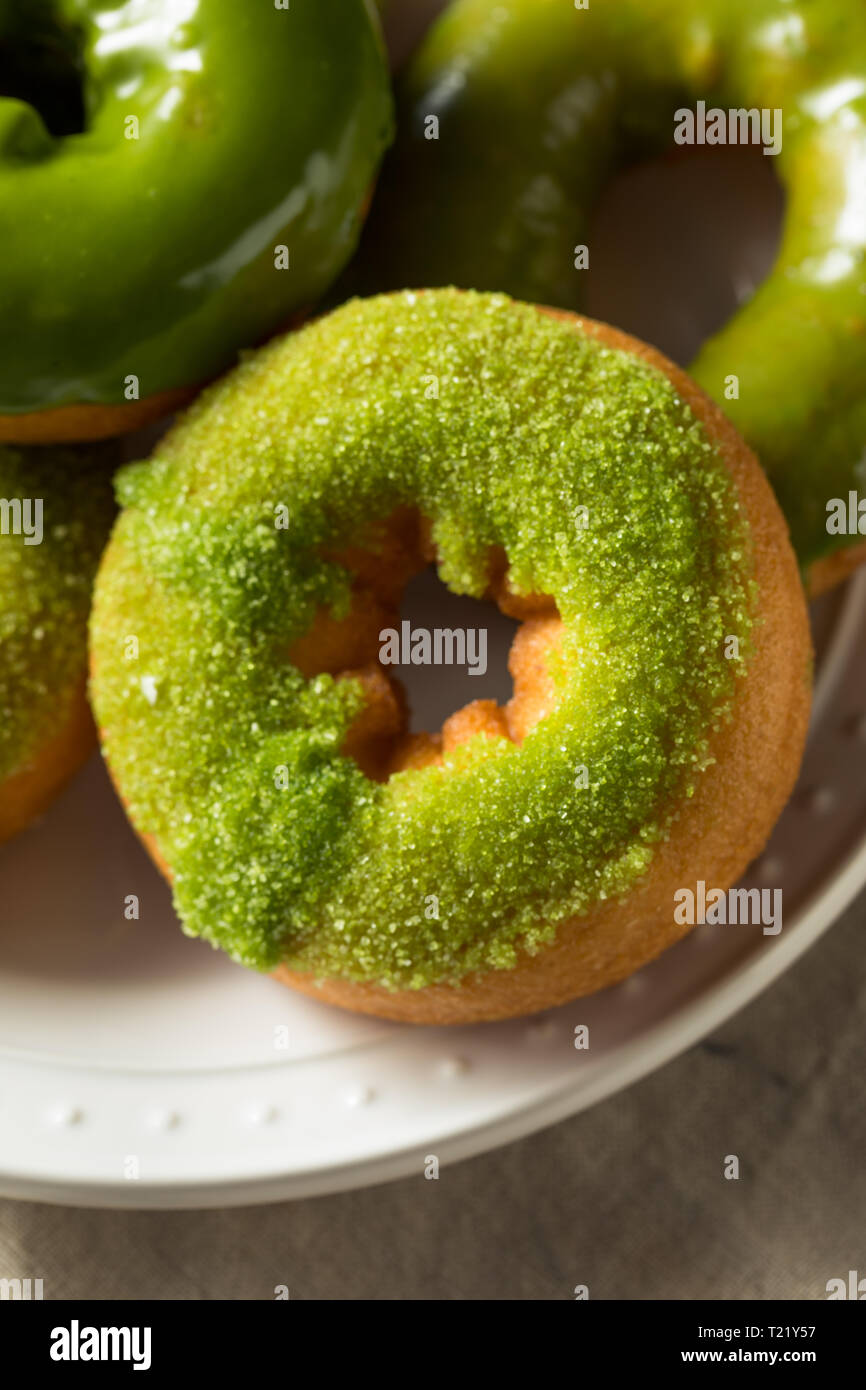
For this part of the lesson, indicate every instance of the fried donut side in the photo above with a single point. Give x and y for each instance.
(823, 575)
(80, 423)
(28, 792)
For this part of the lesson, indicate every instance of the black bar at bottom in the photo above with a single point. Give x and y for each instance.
(156, 1339)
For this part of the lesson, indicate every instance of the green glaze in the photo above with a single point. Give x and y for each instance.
(333, 872)
(155, 257)
(539, 103)
(45, 590)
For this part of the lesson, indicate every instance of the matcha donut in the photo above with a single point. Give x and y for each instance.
(514, 114)
(56, 509)
(178, 178)
(527, 854)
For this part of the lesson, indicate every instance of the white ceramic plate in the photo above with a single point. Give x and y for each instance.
(139, 1068)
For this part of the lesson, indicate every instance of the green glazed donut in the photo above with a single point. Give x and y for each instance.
(177, 178)
(249, 562)
(539, 102)
(56, 510)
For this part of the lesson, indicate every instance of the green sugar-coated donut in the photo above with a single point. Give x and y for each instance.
(508, 431)
(56, 510)
(538, 103)
(177, 177)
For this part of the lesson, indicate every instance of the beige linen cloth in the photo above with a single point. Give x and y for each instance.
(629, 1199)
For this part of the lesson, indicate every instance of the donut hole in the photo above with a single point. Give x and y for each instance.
(45, 68)
(678, 243)
(500, 690)
(438, 689)
(435, 668)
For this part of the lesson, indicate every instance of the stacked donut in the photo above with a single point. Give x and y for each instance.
(526, 853)
(527, 109)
